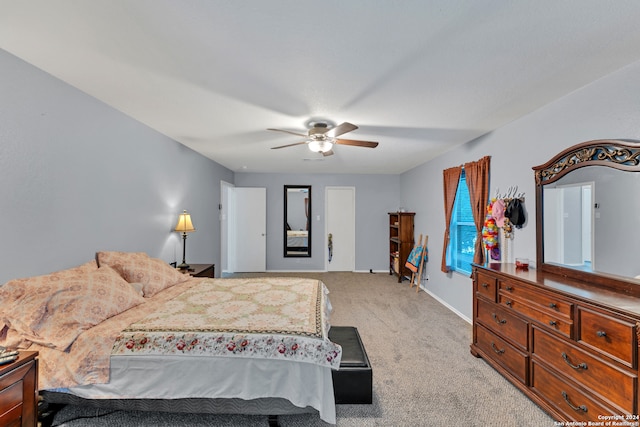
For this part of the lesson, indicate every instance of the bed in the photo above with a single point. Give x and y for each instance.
(297, 240)
(128, 331)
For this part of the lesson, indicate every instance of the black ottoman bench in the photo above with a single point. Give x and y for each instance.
(353, 382)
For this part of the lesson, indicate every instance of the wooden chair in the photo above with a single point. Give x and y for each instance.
(417, 274)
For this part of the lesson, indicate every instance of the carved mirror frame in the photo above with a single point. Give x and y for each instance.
(618, 154)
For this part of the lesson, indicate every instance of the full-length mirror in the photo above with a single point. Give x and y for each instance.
(297, 220)
(587, 212)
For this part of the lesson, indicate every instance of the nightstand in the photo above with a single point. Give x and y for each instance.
(202, 270)
(19, 391)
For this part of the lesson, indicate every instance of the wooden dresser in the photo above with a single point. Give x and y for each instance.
(18, 391)
(570, 346)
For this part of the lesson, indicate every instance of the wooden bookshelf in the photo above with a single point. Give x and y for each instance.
(401, 242)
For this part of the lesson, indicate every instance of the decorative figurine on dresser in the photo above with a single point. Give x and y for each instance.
(566, 333)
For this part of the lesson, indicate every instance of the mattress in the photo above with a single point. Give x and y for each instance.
(297, 239)
(148, 378)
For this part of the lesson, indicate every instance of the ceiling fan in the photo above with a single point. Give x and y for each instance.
(321, 138)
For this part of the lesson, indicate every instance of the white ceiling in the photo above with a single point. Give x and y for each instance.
(420, 77)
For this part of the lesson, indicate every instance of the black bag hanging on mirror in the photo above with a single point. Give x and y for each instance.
(515, 212)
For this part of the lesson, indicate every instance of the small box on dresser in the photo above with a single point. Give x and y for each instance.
(19, 390)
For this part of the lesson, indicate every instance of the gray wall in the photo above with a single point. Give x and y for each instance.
(607, 108)
(78, 177)
(376, 195)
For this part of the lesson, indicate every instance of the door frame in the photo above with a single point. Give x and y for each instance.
(326, 223)
(250, 229)
(227, 226)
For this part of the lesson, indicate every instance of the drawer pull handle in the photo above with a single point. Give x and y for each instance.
(582, 408)
(485, 285)
(496, 349)
(579, 366)
(509, 288)
(552, 305)
(601, 333)
(553, 323)
(501, 321)
(508, 303)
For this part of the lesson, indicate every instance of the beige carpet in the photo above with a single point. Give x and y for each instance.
(423, 372)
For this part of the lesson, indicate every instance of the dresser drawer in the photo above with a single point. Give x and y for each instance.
(513, 360)
(11, 403)
(557, 322)
(11, 388)
(505, 324)
(542, 301)
(586, 369)
(565, 397)
(486, 285)
(18, 382)
(609, 335)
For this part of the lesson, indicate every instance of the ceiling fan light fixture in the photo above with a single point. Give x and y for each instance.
(320, 146)
(322, 137)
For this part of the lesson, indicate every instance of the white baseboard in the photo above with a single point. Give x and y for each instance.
(371, 271)
(462, 316)
(325, 271)
(316, 271)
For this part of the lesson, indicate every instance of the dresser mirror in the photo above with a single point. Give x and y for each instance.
(588, 213)
(297, 221)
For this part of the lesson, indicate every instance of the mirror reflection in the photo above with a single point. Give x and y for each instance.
(590, 219)
(297, 220)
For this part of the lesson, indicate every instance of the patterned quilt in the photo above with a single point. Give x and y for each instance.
(145, 328)
(272, 318)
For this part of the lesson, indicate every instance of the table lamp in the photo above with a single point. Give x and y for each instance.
(184, 226)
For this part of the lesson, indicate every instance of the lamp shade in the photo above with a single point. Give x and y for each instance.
(184, 223)
(320, 146)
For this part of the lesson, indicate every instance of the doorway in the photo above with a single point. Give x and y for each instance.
(341, 225)
(569, 225)
(243, 217)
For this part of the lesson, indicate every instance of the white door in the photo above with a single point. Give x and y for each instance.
(341, 224)
(250, 212)
(226, 191)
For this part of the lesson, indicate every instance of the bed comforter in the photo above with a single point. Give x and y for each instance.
(277, 319)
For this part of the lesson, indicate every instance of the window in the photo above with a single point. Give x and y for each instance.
(463, 230)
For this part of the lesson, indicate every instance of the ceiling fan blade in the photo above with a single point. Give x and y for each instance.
(288, 131)
(289, 145)
(328, 153)
(354, 142)
(341, 129)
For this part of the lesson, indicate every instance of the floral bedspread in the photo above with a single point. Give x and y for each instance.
(87, 360)
(272, 318)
